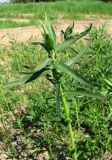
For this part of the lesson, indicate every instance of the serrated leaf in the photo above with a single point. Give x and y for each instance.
(66, 69)
(77, 57)
(71, 40)
(68, 32)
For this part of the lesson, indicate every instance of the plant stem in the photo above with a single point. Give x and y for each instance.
(67, 111)
(77, 114)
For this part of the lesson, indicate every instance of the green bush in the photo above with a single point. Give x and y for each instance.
(107, 0)
(29, 1)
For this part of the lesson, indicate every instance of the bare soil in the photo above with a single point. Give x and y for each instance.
(22, 34)
(15, 19)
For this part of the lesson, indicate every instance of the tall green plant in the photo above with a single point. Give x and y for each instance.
(53, 69)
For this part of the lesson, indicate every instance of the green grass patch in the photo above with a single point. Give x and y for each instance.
(12, 24)
(70, 9)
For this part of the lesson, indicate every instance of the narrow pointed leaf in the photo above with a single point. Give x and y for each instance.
(77, 57)
(25, 73)
(39, 70)
(84, 93)
(15, 83)
(50, 78)
(48, 27)
(73, 50)
(49, 34)
(108, 82)
(27, 67)
(68, 32)
(27, 80)
(43, 45)
(72, 39)
(54, 34)
(34, 74)
(43, 65)
(66, 69)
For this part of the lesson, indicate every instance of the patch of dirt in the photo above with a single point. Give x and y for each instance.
(94, 16)
(3, 156)
(15, 19)
(107, 156)
(22, 34)
(28, 14)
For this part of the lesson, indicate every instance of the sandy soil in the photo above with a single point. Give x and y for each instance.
(24, 33)
(15, 19)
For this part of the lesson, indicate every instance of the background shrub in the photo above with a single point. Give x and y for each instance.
(29, 1)
(106, 0)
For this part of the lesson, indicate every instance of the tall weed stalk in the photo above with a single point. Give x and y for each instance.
(53, 69)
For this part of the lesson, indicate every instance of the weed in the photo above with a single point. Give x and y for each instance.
(53, 70)
(31, 124)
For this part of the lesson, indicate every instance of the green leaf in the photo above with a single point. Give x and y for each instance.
(34, 74)
(39, 70)
(15, 83)
(25, 73)
(84, 93)
(72, 39)
(43, 65)
(54, 35)
(108, 82)
(43, 45)
(49, 42)
(78, 56)
(66, 69)
(50, 78)
(48, 27)
(49, 34)
(68, 32)
(27, 67)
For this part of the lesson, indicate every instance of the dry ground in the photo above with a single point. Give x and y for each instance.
(24, 33)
